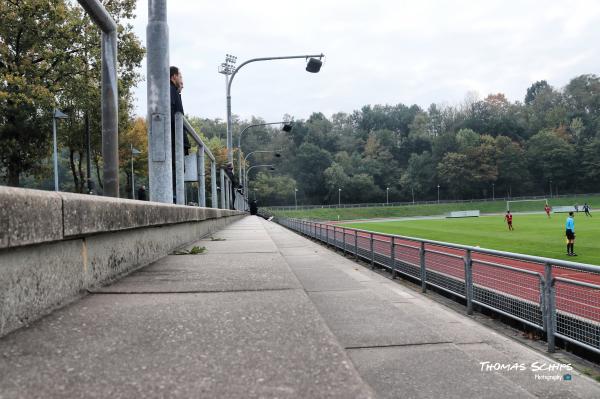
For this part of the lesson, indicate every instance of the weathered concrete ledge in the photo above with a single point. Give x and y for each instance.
(55, 246)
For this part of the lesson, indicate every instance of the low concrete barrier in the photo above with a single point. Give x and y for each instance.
(56, 246)
(564, 209)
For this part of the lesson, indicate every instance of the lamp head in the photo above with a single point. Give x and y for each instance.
(278, 155)
(59, 115)
(272, 168)
(287, 127)
(314, 65)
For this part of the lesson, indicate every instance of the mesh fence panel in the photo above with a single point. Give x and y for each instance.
(578, 312)
(514, 292)
(445, 270)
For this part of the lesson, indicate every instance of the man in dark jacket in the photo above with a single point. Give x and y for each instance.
(231, 175)
(142, 193)
(176, 106)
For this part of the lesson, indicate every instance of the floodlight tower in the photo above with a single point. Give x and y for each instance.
(226, 68)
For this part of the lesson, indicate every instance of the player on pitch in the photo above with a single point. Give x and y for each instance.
(570, 231)
(508, 218)
(547, 209)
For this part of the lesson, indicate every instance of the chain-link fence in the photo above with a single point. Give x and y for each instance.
(558, 297)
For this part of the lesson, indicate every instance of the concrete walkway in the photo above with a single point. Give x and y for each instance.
(267, 313)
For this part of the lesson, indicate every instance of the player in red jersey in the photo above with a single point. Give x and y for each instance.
(508, 218)
(547, 209)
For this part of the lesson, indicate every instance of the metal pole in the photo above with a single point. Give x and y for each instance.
(55, 154)
(89, 153)
(412, 190)
(179, 178)
(438, 187)
(159, 112)
(393, 257)
(423, 270)
(550, 314)
(493, 192)
(201, 178)
(223, 189)
(387, 195)
(110, 114)
(213, 184)
(469, 281)
(372, 251)
(132, 175)
(296, 198)
(110, 104)
(339, 197)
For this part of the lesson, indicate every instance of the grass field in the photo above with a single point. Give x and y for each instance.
(533, 234)
(433, 209)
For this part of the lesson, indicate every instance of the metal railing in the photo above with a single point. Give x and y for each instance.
(408, 203)
(192, 168)
(557, 297)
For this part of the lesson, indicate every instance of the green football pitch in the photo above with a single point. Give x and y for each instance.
(533, 234)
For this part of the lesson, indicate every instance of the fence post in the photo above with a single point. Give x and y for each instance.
(214, 201)
(355, 245)
(372, 251)
(344, 241)
(201, 178)
(326, 235)
(423, 271)
(393, 257)
(469, 281)
(550, 308)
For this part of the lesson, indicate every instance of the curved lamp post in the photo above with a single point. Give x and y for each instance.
(277, 154)
(271, 167)
(287, 127)
(313, 66)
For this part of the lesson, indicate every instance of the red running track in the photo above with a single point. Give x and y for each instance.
(574, 299)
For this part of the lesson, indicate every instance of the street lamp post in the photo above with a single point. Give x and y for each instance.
(339, 197)
(550, 188)
(412, 190)
(244, 186)
(296, 197)
(286, 127)
(271, 167)
(56, 115)
(313, 66)
(493, 192)
(133, 153)
(438, 187)
(387, 195)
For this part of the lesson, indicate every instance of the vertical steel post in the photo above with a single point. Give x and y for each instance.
(213, 184)
(201, 178)
(469, 281)
(550, 306)
(132, 176)
(355, 244)
(223, 189)
(179, 178)
(423, 270)
(55, 155)
(159, 112)
(393, 257)
(110, 114)
(372, 250)
(344, 240)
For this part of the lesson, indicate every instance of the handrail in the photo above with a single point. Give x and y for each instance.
(190, 129)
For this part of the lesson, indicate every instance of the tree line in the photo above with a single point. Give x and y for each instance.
(547, 143)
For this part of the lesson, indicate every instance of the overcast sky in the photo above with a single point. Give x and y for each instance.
(377, 52)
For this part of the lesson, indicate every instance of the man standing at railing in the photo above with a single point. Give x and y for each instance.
(176, 106)
(570, 231)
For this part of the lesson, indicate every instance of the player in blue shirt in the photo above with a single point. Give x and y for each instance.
(570, 231)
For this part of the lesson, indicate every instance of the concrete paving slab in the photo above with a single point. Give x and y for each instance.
(305, 261)
(209, 272)
(234, 235)
(360, 319)
(430, 371)
(300, 251)
(317, 279)
(222, 345)
(240, 246)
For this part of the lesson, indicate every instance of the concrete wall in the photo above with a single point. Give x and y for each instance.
(56, 246)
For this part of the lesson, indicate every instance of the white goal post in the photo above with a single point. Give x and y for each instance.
(545, 200)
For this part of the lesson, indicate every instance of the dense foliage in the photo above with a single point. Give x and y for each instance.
(480, 148)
